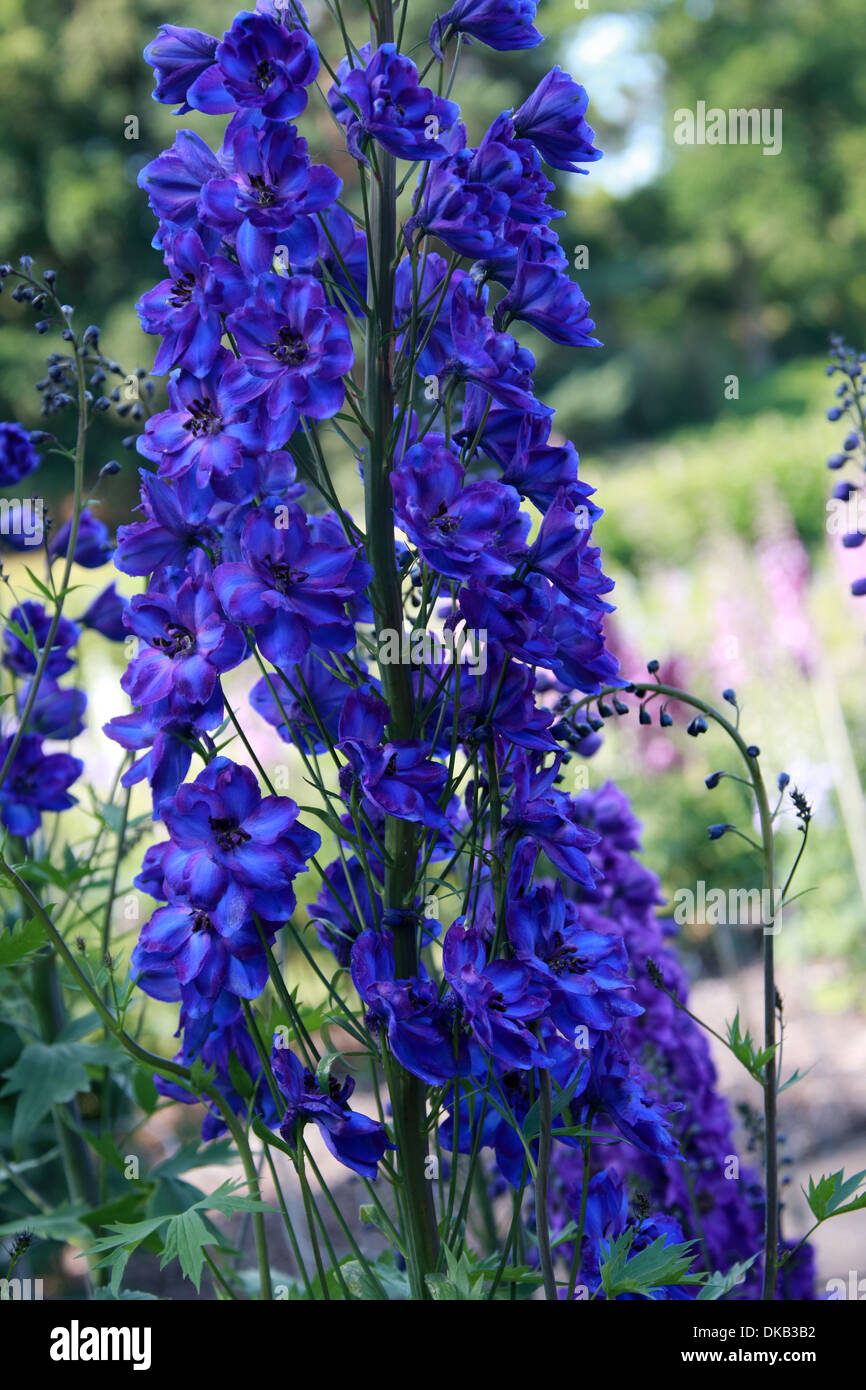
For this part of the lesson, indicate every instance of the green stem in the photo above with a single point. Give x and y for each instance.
(770, 1083)
(407, 1091)
(541, 1186)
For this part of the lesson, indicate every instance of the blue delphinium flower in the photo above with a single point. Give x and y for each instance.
(466, 215)
(188, 644)
(269, 195)
(296, 346)
(355, 1141)
(55, 713)
(166, 740)
(500, 24)
(384, 100)
(553, 119)
(210, 945)
(542, 295)
(36, 782)
(18, 458)
(211, 423)
(105, 615)
(185, 309)
(258, 63)
(461, 529)
(217, 1034)
(22, 653)
(420, 1027)
(498, 1000)
(549, 818)
(222, 831)
(397, 777)
(290, 586)
(178, 518)
(178, 55)
(585, 971)
(174, 180)
(93, 545)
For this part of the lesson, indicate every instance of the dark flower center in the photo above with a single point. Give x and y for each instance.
(182, 289)
(289, 347)
(264, 74)
(265, 193)
(497, 1002)
(227, 832)
(201, 922)
(567, 962)
(202, 418)
(444, 520)
(284, 576)
(176, 642)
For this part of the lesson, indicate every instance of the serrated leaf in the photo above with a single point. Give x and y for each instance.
(718, 1284)
(826, 1197)
(16, 945)
(793, 1079)
(658, 1265)
(44, 1075)
(186, 1236)
(230, 1197)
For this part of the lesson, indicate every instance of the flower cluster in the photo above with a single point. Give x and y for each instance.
(445, 794)
(39, 649)
(257, 319)
(712, 1197)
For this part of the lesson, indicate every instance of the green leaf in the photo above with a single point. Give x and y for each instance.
(718, 1284)
(230, 1197)
(651, 1269)
(14, 946)
(126, 1208)
(240, 1077)
(173, 1195)
(128, 1233)
(793, 1079)
(185, 1239)
(561, 1100)
(826, 1197)
(743, 1048)
(192, 1155)
(371, 1216)
(463, 1283)
(144, 1090)
(44, 1075)
(104, 1145)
